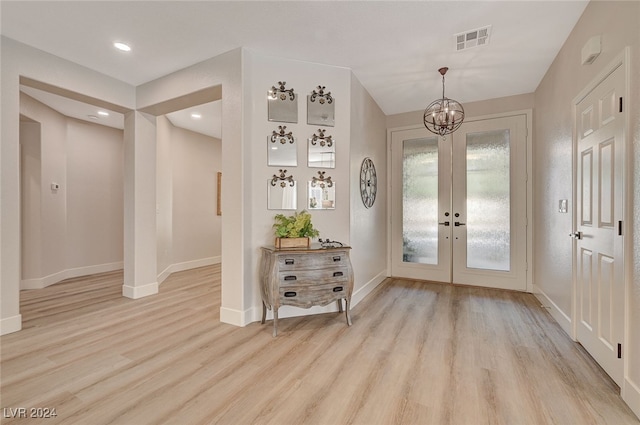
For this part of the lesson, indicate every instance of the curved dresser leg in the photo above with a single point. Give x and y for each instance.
(347, 311)
(264, 312)
(339, 305)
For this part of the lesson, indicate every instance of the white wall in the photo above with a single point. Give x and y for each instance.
(368, 226)
(617, 23)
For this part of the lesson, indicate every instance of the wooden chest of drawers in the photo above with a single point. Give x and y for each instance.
(305, 277)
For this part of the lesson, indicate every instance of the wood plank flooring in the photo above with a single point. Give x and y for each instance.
(417, 353)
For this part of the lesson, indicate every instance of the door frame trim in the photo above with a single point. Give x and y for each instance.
(528, 113)
(622, 60)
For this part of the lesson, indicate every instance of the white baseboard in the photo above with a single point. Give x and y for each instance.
(236, 317)
(135, 292)
(187, 265)
(43, 282)
(631, 395)
(560, 316)
(367, 288)
(10, 324)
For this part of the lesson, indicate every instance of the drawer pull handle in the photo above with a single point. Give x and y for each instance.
(337, 258)
(289, 261)
(336, 274)
(291, 277)
(290, 294)
(337, 289)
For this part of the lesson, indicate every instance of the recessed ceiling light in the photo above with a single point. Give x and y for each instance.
(196, 116)
(103, 113)
(122, 46)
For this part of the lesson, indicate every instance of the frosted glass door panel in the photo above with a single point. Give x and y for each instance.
(488, 200)
(420, 201)
(420, 205)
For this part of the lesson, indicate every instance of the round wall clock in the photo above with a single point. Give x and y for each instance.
(368, 182)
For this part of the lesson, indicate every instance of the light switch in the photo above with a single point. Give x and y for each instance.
(563, 205)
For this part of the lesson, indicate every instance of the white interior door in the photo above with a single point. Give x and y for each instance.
(599, 214)
(459, 204)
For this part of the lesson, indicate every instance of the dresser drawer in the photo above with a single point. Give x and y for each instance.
(310, 295)
(319, 260)
(313, 277)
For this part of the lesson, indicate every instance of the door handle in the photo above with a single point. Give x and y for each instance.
(576, 235)
(457, 223)
(445, 223)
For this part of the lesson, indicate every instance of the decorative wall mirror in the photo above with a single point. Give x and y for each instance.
(282, 192)
(282, 149)
(283, 104)
(321, 108)
(321, 193)
(322, 151)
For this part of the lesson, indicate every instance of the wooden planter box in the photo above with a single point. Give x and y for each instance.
(292, 243)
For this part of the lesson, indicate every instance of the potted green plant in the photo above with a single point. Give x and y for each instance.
(294, 231)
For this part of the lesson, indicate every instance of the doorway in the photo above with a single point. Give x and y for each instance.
(459, 204)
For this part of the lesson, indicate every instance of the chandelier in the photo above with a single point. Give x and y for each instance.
(443, 116)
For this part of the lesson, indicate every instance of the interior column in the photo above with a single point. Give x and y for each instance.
(140, 235)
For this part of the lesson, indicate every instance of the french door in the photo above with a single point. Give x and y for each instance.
(459, 204)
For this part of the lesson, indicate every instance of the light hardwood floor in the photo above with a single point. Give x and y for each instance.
(417, 353)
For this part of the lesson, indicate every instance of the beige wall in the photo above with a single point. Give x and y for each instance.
(189, 231)
(225, 71)
(471, 110)
(164, 198)
(21, 60)
(53, 168)
(95, 199)
(196, 227)
(264, 71)
(31, 192)
(59, 234)
(617, 23)
(368, 226)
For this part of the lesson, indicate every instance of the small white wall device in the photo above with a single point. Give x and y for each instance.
(591, 50)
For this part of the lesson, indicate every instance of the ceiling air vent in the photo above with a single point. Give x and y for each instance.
(474, 38)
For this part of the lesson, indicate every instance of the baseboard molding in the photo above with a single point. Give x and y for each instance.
(135, 292)
(10, 324)
(367, 288)
(43, 282)
(187, 265)
(631, 396)
(563, 320)
(236, 317)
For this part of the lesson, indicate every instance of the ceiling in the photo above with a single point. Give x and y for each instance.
(394, 48)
